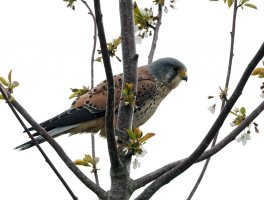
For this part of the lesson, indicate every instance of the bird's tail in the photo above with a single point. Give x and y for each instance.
(39, 139)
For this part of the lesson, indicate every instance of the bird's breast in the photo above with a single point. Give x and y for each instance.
(144, 112)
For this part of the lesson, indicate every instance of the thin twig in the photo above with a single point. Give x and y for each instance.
(155, 36)
(109, 117)
(231, 55)
(186, 163)
(92, 84)
(37, 145)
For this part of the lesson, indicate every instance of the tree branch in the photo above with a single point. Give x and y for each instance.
(155, 36)
(142, 181)
(92, 84)
(186, 163)
(130, 58)
(82, 177)
(109, 117)
(231, 55)
(6, 97)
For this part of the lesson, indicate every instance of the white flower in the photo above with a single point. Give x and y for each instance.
(212, 109)
(244, 137)
(150, 21)
(138, 39)
(136, 163)
(166, 10)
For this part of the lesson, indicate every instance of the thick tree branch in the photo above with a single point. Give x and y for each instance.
(6, 96)
(155, 36)
(186, 163)
(120, 178)
(130, 58)
(229, 68)
(82, 177)
(142, 181)
(109, 117)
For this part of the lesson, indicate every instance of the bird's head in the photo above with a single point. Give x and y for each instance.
(169, 71)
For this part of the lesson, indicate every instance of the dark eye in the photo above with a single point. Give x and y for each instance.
(176, 69)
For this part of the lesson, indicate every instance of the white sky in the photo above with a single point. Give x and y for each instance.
(48, 47)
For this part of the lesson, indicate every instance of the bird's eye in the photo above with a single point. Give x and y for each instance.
(176, 69)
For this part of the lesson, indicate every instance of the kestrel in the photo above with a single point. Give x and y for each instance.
(87, 114)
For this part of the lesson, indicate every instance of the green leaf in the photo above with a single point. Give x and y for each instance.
(10, 76)
(98, 59)
(243, 2)
(243, 111)
(73, 95)
(87, 158)
(258, 71)
(13, 85)
(3, 81)
(250, 5)
(1, 97)
(131, 134)
(81, 162)
(138, 16)
(230, 3)
(125, 92)
(146, 137)
(117, 41)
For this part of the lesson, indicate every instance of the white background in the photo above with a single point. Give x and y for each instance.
(48, 46)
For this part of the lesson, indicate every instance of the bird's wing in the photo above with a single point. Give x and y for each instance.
(95, 99)
(89, 106)
(72, 116)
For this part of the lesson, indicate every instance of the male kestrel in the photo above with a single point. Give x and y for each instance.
(87, 114)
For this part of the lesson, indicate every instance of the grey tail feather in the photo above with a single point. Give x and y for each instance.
(53, 133)
(30, 143)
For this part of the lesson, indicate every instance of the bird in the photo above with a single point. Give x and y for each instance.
(87, 112)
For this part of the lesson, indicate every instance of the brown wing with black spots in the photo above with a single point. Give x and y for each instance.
(96, 97)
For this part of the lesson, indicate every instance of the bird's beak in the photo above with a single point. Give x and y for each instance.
(183, 75)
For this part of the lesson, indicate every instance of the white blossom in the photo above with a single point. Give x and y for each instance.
(136, 164)
(166, 10)
(243, 138)
(138, 39)
(212, 109)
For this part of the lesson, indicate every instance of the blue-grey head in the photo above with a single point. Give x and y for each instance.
(169, 71)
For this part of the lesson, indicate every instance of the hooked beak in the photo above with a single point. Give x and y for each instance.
(183, 75)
